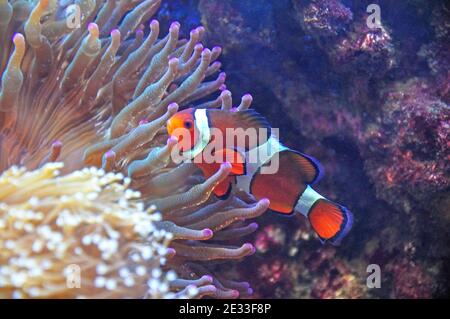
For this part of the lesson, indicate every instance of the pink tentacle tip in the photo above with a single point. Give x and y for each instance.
(200, 29)
(154, 23)
(255, 226)
(250, 247)
(171, 252)
(18, 37)
(247, 96)
(208, 278)
(207, 232)
(173, 61)
(172, 108)
(234, 109)
(223, 87)
(225, 92)
(265, 202)
(206, 52)
(171, 141)
(193, 33)
(115, 32)
(250, 291)
(139, 32)
(217, 49)
(57, 143)
(110, 154)
(92, 27)
(198, 47)
(174, 26)
(143, 121)
(235, 294)
(226, 166)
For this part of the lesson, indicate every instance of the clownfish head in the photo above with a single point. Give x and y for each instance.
(182, 126)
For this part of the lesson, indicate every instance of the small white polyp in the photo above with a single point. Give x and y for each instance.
(308, 198)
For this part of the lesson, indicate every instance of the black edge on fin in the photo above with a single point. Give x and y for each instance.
(227, 194)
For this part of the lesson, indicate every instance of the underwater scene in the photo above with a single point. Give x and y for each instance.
(224, 149)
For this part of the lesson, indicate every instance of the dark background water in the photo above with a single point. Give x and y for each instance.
(372, 106)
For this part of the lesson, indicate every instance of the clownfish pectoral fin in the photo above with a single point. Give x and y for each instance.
(223, 189)
(207, 169)
(330, 221)
(236, 158)
(309, 167)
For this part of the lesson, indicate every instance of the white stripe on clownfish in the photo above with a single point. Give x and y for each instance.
(262, 154)
(307, 200)
(202, 125)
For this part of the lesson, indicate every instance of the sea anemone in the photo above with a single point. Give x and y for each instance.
(95, 96)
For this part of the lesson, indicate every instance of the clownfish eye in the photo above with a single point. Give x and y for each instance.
(188, 124)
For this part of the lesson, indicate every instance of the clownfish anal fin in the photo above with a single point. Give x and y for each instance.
(309, 167)
(330, 221)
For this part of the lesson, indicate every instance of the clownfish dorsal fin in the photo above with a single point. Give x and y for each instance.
(251, 119)
(252, 122)
(249, 128)
(245, 119)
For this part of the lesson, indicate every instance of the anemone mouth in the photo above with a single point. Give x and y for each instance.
(97, 97)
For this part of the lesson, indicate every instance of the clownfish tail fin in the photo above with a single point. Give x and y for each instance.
(331, 221)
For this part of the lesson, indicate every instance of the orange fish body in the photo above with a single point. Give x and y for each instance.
(261, 166)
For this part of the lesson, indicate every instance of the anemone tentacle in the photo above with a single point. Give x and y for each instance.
(96, 97)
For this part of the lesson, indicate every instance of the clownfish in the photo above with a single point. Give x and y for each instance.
(289, 188)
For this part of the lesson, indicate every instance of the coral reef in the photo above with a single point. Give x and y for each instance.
(409, 279)
(436, 52)
(98, 96)
(351, 46)
(294, 267)
(407, 150)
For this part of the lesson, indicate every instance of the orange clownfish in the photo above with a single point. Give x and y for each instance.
(202, 132)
